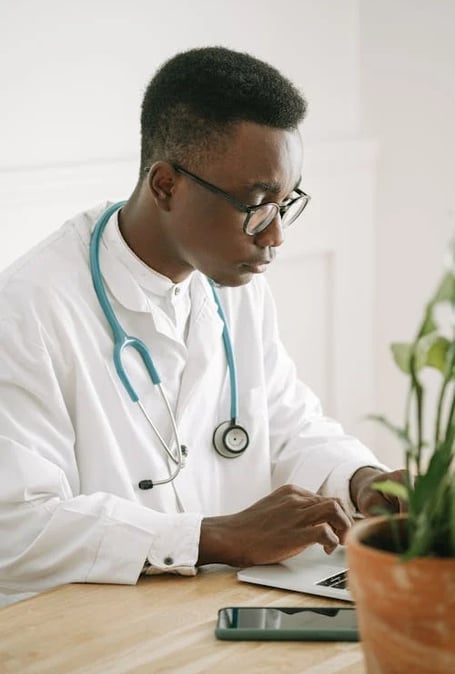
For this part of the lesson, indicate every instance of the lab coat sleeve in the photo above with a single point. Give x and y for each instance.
(49, 532)
(307, 448)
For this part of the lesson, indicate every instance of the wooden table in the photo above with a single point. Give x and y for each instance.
(163, 624)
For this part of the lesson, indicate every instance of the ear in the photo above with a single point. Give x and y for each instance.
(161, 179)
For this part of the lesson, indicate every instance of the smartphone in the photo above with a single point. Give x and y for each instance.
(321, 623)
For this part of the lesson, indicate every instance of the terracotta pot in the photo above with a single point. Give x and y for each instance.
(406, 610)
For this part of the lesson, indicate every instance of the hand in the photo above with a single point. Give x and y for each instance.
(366, 499)
(277, 527)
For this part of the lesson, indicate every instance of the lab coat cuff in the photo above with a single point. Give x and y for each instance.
(336, 484)
(175, 545)
(125, 545)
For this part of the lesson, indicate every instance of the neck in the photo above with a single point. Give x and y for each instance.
(141, 226)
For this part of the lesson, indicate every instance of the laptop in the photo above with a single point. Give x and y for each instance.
(312, 571)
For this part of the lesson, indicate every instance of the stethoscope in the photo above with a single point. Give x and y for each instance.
(229, 438)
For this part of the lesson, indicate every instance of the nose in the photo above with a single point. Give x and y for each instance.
(272, 235)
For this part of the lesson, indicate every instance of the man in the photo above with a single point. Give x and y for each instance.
(86, 492)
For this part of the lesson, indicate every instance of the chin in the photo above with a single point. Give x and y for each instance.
(231, 280)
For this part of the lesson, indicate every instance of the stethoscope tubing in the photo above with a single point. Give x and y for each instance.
(122, 341)
(229, 356)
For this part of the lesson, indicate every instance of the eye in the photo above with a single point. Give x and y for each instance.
(286, 201)
(257, 199)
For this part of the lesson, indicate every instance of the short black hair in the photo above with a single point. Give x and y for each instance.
(196, 97)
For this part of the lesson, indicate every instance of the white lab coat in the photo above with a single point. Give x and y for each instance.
(73, 447)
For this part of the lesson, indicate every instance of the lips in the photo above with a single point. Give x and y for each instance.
(256, 267)
(259, 266)
(254, 263)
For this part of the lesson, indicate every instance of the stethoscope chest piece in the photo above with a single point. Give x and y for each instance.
(230, 440)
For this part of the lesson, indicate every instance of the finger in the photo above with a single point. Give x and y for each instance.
(295, 489)
(394, 475)
(293, 493)
(324, 535)
(306, 498)
(327, 511)
(346, 512)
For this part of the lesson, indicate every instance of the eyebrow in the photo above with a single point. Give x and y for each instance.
(274, 188)
(260, 186)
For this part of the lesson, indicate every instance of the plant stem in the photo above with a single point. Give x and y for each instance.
(396, 535)
(407, 416)
(447, 378)
(450, 429)
(418, 390)
(437, 430)
(408, 482)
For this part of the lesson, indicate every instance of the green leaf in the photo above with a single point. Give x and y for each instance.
(421, 541)
(446, 289)
(402, 353)
(429, 351)
(437, 354)
(428, 485)
(429, 325)
(424, 347)
(393, 488)
(429, 530)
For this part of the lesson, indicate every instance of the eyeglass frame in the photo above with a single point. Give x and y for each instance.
(245, 208)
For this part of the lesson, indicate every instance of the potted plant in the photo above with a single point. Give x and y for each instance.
(402, 567)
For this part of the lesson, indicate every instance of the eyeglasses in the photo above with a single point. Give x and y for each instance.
(261, 216)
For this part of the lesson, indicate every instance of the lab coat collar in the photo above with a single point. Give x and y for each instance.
(205, 328)
(204, 336)
(149, 279)
(124, 273)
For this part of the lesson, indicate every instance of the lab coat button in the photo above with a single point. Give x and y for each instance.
(177, 291)
(168, 561)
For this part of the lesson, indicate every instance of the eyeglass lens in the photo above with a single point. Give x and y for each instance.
(264, 216)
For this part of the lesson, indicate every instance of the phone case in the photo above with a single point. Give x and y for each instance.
(302, 634)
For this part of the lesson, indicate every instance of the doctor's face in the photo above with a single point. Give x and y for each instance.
(260, 165)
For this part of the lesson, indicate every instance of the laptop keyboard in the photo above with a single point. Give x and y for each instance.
(338, 581)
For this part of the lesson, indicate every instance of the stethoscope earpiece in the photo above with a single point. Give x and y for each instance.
(230, 440)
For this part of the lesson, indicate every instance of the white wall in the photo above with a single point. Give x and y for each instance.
(72, 76)
(407, 66)
(73, 73)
